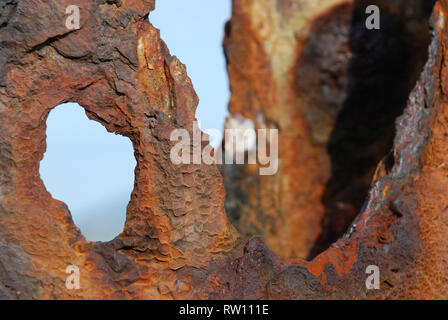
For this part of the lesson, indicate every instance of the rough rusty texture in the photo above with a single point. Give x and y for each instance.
(119, 70)
(177, 242)
(333, 89)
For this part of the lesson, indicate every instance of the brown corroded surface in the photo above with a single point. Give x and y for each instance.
(177, 242)
(119, 70)
(333, 89)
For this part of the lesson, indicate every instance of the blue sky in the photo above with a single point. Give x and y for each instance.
(193, 31)
(92, 170)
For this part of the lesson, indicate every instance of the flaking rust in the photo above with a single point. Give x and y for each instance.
(177, 242)
(333, 89)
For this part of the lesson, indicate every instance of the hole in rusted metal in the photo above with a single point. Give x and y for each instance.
(89, 169)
